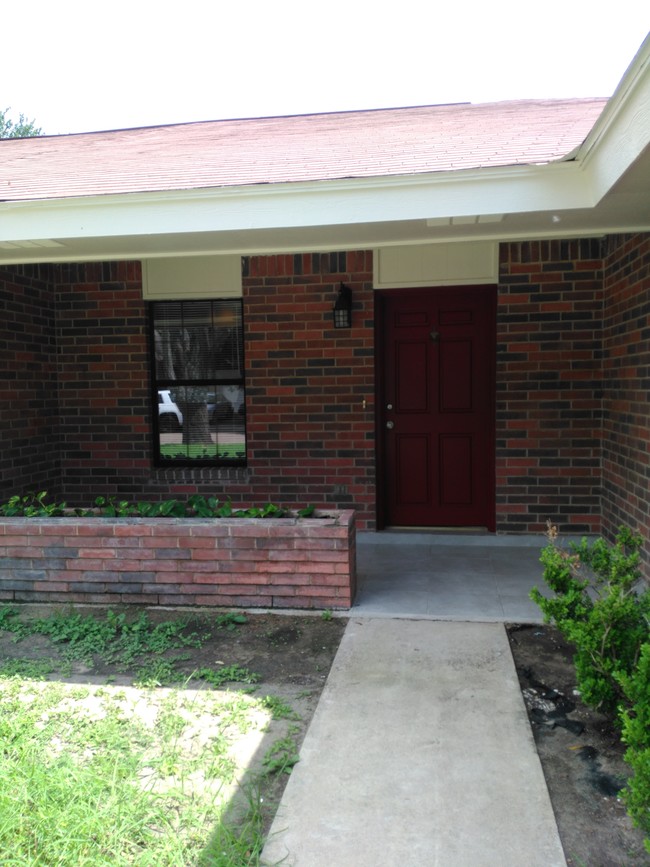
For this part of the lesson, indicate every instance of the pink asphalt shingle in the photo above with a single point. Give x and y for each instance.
(385, 142)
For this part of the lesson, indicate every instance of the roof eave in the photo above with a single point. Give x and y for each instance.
(622, 132)
(511, 189)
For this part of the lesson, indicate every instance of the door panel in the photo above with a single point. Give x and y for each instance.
(412, 455)
(411, 392)
(456, 376)
(455, 470)
(437, 419)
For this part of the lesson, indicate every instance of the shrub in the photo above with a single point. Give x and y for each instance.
(635, 720)
(599, 607)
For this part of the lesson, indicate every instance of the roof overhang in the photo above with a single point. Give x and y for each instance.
(604, 189)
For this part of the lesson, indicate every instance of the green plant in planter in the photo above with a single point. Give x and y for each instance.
(31, 506)
(109, 508)
(198, 506)
(214, 508)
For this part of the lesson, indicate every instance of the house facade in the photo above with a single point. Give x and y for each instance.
(494, 373)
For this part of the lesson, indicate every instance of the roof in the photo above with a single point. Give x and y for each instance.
(363, 144)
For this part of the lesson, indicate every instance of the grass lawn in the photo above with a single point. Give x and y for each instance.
(157, 772)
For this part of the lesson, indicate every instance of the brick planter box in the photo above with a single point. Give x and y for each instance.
(241, 562)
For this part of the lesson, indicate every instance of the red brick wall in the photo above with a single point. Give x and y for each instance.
(561, 305)
(29, 431)
(626, 416)
(103, 381)
(310, 438)
(549, 398)
(280, 563)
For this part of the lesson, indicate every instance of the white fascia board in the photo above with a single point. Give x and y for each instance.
(512, 190)
(622, 132)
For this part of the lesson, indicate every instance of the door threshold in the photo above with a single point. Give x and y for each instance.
(436, 531)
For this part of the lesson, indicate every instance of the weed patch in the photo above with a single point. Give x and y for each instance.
(28, 669)
(113, 638)
(227, 674)
(281, 757)
(279, 709)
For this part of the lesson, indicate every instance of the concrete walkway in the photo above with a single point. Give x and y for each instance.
(420, 753)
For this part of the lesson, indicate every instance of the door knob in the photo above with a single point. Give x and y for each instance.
(390, 425)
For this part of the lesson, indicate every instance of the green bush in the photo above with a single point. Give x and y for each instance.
(601, 608)
(635, 720)
(598, 609)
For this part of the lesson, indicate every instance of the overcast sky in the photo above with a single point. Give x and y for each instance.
(81, 65)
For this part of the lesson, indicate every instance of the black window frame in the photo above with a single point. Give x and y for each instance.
(213, 383)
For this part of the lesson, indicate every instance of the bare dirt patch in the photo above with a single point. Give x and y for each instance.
(580, 752)
(290, 653)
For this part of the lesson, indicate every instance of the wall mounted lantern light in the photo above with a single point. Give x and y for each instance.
(342, 310)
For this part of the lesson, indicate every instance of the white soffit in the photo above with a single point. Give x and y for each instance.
(436, 265)
(183, 277)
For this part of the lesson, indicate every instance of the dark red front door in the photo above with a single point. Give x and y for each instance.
(436, 420)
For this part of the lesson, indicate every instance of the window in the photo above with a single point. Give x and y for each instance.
(198, 382)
